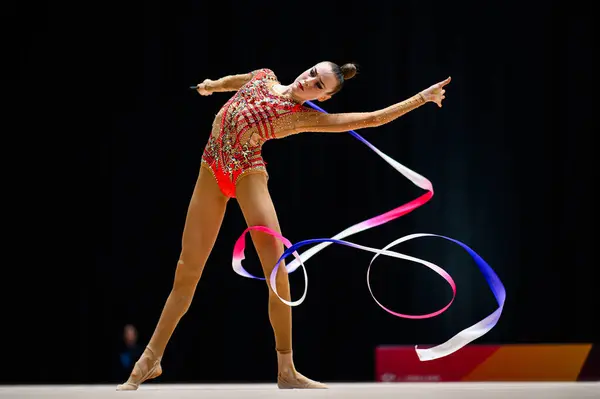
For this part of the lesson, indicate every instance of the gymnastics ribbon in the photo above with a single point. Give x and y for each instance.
(450, 346)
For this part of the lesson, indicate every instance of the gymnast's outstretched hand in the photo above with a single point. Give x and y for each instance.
(202, 88)
(436, 92)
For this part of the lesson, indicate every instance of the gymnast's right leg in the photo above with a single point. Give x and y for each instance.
(202, 225)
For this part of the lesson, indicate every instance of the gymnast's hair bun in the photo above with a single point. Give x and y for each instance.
(348, 70)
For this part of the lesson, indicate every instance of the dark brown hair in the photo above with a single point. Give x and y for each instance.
(343, 73)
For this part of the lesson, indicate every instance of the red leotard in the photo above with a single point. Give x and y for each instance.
(242, 126)
(256, 114)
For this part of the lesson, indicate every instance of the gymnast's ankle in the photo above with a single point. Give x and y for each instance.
(285, 362)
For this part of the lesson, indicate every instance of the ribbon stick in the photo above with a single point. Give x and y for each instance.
(450, 346)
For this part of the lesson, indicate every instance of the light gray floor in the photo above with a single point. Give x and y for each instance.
(336, 391)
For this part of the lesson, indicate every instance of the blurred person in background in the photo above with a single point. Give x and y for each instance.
(131, 350)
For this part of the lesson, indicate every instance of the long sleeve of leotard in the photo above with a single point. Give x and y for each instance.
(228, 83)
(320, 122)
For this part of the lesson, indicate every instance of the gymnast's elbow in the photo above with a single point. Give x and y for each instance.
(375, 120)
(358, 120)
(352, 121)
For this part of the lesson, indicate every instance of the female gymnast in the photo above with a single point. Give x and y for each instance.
(232, 167)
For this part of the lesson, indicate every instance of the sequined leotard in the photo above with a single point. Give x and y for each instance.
(256, 114)
(242, 126)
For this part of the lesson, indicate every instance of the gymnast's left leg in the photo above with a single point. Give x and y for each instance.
(258, 209)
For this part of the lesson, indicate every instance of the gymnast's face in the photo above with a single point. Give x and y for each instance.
(315, 83)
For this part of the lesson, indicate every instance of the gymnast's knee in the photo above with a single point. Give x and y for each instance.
(266, 242)
(282, 282)
(187, 275)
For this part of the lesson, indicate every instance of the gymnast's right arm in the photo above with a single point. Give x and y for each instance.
(227, 83)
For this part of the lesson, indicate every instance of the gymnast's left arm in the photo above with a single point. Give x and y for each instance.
(313, 121)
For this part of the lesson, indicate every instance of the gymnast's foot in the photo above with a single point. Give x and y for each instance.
(146, 368)
(289, 378)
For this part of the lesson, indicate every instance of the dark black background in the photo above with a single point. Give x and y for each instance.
(112, 145)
